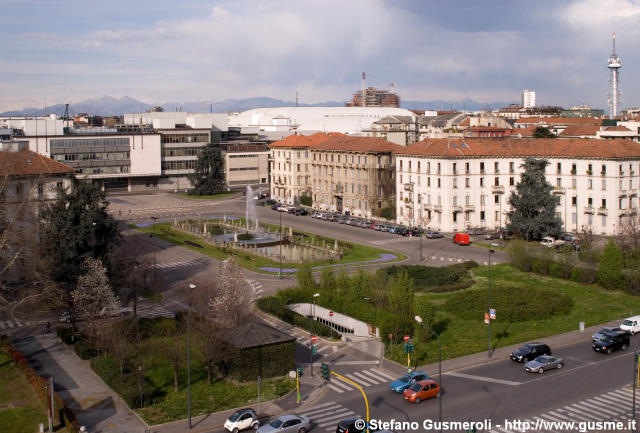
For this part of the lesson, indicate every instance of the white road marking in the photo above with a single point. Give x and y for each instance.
(482, 378)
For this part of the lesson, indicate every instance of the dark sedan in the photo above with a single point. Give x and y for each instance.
(433, 235)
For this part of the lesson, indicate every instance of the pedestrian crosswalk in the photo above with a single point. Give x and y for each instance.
(364, 378)
(172, 265)
(154, 311)
(614, 406)
(256, 287)
(326, 416)
(10, 324)
(321, 348)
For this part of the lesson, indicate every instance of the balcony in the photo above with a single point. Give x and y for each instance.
(574, 172)
(427, 206)
(456, 208)
(469, 208)
(437, 208)
(497, 189)
(602, 211)
(482, 171)
(558, 190)
(603, 173)
(589, 173)
(408, 186)
(408, 200)
(589, 209)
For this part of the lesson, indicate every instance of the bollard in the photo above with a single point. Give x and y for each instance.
(581, 326)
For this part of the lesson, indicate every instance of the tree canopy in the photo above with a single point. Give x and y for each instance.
(533, 213)
(208, 176)
(77, 226)
(543, 132)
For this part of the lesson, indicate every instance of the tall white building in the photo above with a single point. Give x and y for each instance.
(451, 185)
(528, 98)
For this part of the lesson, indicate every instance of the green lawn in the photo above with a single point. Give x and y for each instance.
(216, 196)
(353, 252)
(462, 336)
(15, 388)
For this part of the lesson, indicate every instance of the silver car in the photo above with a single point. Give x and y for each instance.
(542, 363)
(287, 424)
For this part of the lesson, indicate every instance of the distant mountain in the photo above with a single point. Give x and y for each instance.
(110, 106)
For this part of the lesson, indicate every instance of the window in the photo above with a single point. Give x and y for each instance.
(438, 168)
(455, 216)
(604, 203)
(418, 166)
(496, 167)
(439, 183)
(496, 181)
(400, 164)
(455, 200)
(19, 188)
(574, 201)
(482, 199)
(496, 198)
(481, 215)
(574, 182)
(455, 182)
(574, 168)
(590, 202)
(604, 184)
(604, 170)
(512, 167)
(558, 182)
(482, 181)
(590, 169)
(589, 183)
(409, 165)
(466, 168)
(512, 181)
(559, 168)
(496, 216)
(429, 182)
(482, 168)
(455, 171)
(467, 200)
(467, 182)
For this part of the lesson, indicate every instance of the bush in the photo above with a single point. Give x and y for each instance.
(519, 255)
(84, 350)
(540, 266)
(581, 274)
(66, 334)
(610, 267)
(306, 200)
(589, 256)
(460, 285)
(555, 270)
(427, 277)
(513, 304)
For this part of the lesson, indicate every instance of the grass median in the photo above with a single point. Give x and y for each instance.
(546, 306)
(215, 196)
(353, 253)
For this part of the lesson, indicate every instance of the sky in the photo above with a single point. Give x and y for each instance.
(56, 51)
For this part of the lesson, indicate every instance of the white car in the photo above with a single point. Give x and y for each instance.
(631, 325)
(241, 420)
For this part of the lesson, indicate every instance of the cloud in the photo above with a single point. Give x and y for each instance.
(597, 12)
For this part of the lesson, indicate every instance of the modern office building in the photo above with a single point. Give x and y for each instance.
(528, 99)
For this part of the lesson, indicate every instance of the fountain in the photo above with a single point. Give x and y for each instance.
(250, 210)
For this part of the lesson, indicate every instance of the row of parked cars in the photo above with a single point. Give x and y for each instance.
(367, 224)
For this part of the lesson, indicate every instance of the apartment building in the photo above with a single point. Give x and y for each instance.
(340, 173)
(452, 185)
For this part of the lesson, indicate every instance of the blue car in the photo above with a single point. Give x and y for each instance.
(399, 385)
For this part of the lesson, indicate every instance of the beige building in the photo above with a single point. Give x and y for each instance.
(340, 173)
(451, 185)
(246, 164)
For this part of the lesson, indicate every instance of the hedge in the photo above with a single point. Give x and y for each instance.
(265, 361)
(430, 278)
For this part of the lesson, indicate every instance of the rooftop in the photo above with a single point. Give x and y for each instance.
(255, 334)
(28, 163)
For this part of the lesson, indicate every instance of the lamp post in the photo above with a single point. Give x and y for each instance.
(191, 287)
(140, 385)
(419, 320)
(491, 251)
(155, 266)
(93, 244)
(313, 314)
(280, 273)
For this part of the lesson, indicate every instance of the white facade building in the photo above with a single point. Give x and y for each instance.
(528, 98)
(454, 185)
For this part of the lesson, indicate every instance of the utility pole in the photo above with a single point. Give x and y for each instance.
(191, 287)
(489, 309)
(280, 273)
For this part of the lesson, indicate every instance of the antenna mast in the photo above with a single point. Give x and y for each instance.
(364, 84)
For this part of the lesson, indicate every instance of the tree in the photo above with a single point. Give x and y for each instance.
(305, 278)
(173, 346)
(208, 176)
(543, 132)
(401, 303)
(533, 206)
(610, 266)
(77, 226)
(230, 302)
(327, 280)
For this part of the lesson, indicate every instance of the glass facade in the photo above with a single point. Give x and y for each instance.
(178, 165)
(181, 151)
(200, 137)
(89, 142)
(94, 156)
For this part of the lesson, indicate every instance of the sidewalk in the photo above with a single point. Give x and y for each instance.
(96, 406)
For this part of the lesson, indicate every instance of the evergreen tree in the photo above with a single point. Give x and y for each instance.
(77, 226)
(305, 278)
(401, 302)
(610, 266)
(208, 175)
(327, 280)
(533, 206)
(543, 132)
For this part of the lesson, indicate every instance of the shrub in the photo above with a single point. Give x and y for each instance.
(540, 266)
(610, 267)
(589, 256)
(513, 304)
(84, 350)
(581, 274)
(460, 285)
(555, 270)
(425, 277)
(66, 334)
(519, 255)
(306, 200)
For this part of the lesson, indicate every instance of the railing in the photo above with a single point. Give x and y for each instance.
(588, 209)
(469, 208)
(497, 189)
(603, 211)
(558, 190)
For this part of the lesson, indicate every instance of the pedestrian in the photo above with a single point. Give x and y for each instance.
(120, 212)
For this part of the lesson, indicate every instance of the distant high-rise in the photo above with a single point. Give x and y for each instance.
(374, 98)
(614, 64)
(528, 98)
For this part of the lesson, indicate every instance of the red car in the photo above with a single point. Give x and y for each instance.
(423, 390)
(461, 239)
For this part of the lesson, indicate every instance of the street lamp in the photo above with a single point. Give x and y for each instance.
(93, 244)
(155, 266)
(140, 384)
(491, 251)
(280, 273)
(313, 314)
(419, 320)
(191, 287)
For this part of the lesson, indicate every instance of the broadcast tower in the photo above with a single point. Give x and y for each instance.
(614, 95)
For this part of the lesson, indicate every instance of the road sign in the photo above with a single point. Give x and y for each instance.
(492, 314)
(314, 350)
(330, 313)
(390, 336)
(486, 317)
(314, 338)
(407, 338)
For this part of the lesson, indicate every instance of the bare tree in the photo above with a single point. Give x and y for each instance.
(173, 346)
(230, 302)
(120, 335)
(629, 232)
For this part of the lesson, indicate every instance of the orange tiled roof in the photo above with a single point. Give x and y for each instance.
(580, 130)
(617, 128)
(535, 147)
(465, 122)
(524, 132)
(293, 141)
(357, 144)
(560, 120)
(28, 163)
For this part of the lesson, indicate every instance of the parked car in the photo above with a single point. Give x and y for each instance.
(611, 341)
(478, 231)
(287, 424)
(120, 311)
(65, 317)
(549, 242)
(542, 363)
(461, 239)
(432, 234)
(423, 390)
(300, 211)
(333, 217)
(391, 229)
(284, 208)
(260, 196)
(341, 220)
(568, 237)
(241, 420)
(348, 425)
(631, 325)
(607, 329)
(488, 236)
(404, 382)
(315, 214)
(530, 351)
(276, 206)
(568, 247)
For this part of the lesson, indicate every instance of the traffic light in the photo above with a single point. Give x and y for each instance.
(300, 371)
(326, 374)
(408, 347)
(314, 350)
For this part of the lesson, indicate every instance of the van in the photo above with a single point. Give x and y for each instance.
(631, 325)
(461, 239)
